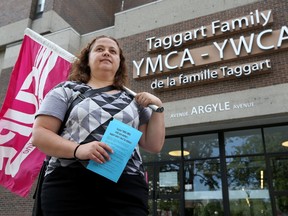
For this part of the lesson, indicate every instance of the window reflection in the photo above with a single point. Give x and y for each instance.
(203, 187)
(171, 144)
(168, 179)
(245, 172)
(199, 175)
(248, 186)
(149, 176)
(168, 207)
(279, 168)
(274, 136)
(282, 205)
(243, 142)
(202, 175)
(202, 146)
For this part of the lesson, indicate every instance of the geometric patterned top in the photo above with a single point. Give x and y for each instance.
(89, 119)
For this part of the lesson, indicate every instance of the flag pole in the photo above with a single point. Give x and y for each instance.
(49, 44)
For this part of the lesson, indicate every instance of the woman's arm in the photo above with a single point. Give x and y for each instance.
(45, 137)
(153, 136)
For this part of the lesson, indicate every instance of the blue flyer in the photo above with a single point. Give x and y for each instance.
(122, 138)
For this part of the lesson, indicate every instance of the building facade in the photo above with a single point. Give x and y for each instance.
(220, 67)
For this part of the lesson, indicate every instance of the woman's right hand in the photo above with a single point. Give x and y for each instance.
(96, 151)
(46, 139)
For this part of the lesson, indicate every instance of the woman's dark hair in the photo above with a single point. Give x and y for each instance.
(81, 72)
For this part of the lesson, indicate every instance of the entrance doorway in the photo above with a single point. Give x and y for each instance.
(278, 171)
(231, 173)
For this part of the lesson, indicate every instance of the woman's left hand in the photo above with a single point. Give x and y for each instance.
(145, 99)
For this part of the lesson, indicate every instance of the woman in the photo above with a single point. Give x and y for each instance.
(69, 188)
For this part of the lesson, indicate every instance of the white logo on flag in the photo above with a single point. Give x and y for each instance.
(15, 121)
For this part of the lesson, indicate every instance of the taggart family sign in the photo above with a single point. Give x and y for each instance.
(168, 58)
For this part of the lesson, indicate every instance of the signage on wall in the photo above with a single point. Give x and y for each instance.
(212, 108)
(168, 58)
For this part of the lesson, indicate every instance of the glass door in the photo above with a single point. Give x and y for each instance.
(163, 174)
(202, 176)
(164, 189)
(279, 181)
(248, 187)
(277, 167)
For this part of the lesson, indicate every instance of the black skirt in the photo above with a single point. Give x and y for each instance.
(78, 191)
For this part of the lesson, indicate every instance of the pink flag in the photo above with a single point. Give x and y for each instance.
(39, 67)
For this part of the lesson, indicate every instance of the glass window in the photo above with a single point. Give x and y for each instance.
(149, 176)
(168, 207)
(243, 142)
(274, 136)
(195, 170)
(171, 145)
(40, 6)
(246, 172)
(205, 208)
(202, 175)
(279, 167)
(147, 156)
(201, 146)
(168, 179)
(282, 205)
(203, 187)
(248, 186)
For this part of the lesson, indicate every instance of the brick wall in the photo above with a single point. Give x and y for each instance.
(135, 49)
(14, 205)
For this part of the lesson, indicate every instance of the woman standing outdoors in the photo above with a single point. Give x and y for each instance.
(69, 188)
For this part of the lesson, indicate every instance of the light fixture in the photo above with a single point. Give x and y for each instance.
(285, 143)
(261, 179)
(177, 153)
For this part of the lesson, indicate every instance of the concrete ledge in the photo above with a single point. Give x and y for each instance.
(264, 105)
(162, 13)
(13, 32)
(49, 22)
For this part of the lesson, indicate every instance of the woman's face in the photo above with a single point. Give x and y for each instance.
(104, 59)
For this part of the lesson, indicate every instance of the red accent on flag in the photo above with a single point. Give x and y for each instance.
(38, 68)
